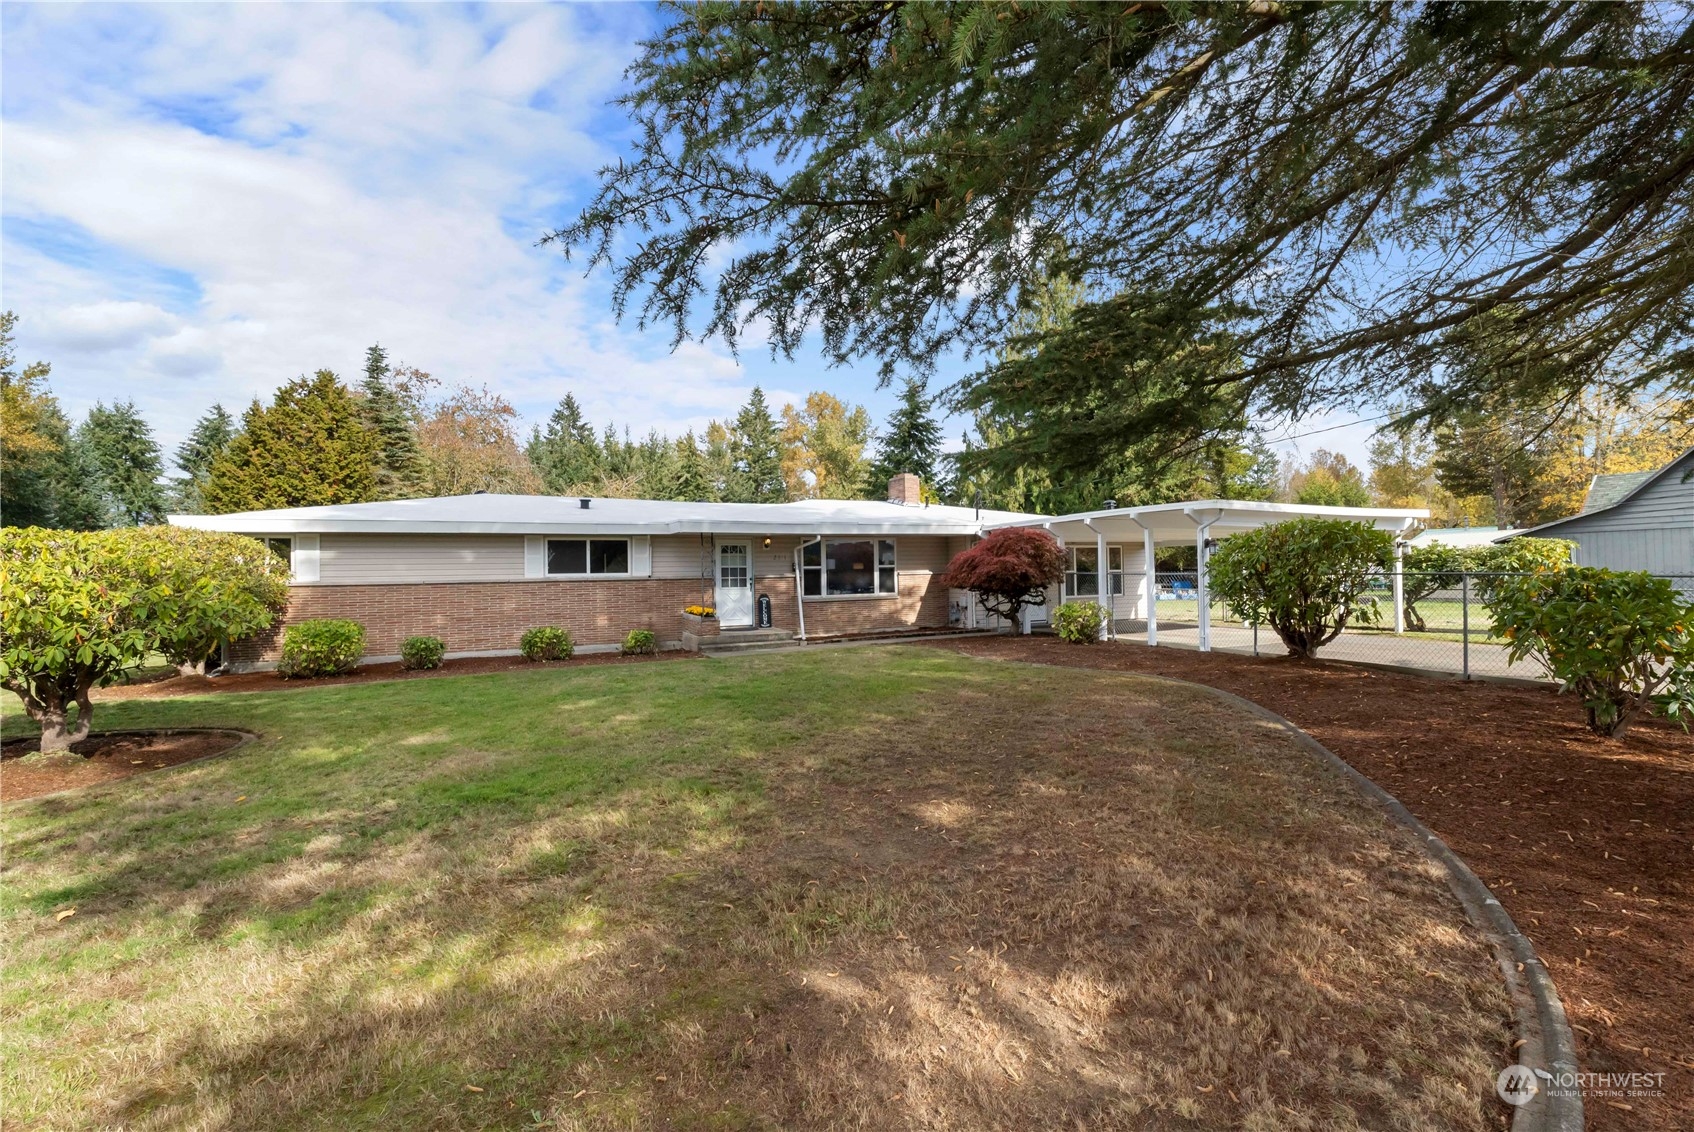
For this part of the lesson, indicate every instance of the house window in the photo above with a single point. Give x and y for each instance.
(283, 548)
(578, 556)
(1082, 574)
(848, 568)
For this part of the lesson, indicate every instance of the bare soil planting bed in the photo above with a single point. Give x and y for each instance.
(1588, 842)
(107, 758)
(365, 673)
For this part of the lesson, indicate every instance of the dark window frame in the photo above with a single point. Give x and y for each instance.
(589, 549)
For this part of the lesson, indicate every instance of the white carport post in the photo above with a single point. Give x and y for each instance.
(1149, 581)
(1202, 528)
(1399, 585)
(1103, 590)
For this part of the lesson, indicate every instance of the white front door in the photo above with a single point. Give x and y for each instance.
(735, 584)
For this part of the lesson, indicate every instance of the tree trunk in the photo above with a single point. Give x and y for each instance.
(48, 707)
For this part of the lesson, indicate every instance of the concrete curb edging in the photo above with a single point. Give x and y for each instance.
(1547, 1043)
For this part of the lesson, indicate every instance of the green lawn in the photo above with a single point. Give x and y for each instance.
(885, 887)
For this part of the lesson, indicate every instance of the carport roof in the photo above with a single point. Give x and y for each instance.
(1179, 522)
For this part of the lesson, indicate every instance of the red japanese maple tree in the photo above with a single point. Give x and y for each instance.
(1009, 570)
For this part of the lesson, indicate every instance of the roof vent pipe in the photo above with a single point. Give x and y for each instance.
(1111, 505)
(585, 502)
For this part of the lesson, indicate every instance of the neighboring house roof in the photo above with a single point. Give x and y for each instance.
(553, 514)
(1647, 479)
(1604, 491)
(1461, 536)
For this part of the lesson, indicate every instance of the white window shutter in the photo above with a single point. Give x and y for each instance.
(534, 556)
(303, 562)
(641, 556)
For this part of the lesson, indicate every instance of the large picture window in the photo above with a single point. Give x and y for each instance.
(1082, 573)
(848, 568)
(578, 556)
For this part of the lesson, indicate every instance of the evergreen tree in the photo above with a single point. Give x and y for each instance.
(123, 451)
(310, 447)
(1258, 158)
(567, 455)
(211, 434)
(693, 479)
(400, 467)
(719, 459)
(57, 486)
(910, 443)
(756, 453)
(72, 482)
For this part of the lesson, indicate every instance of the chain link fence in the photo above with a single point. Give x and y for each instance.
(1447, 626)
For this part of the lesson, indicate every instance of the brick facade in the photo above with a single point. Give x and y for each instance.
(920, 604)
(490, 616)
(485, 616)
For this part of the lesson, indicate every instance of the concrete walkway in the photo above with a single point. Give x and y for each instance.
(1407, 651)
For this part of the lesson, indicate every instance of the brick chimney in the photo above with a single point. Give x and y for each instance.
(906, 488)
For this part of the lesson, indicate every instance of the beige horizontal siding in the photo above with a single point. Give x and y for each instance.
(681, 556)
(379, 559)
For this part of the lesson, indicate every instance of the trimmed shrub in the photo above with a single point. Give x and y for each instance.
(1624, 642)
(321, 648)
(546, 642)
(422, 652)
(1079, 622)
(78, 608)
(1306, 578)
(640, 642)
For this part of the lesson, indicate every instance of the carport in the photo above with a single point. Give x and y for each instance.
(1201, 524)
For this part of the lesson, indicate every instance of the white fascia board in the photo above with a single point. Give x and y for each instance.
(269, 525)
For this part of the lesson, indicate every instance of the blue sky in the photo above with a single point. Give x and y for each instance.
(200, 202)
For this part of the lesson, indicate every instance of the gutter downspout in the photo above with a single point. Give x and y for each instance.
(800, 583)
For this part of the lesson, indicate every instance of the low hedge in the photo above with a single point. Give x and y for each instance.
(422, 652)
(640, 642)
(321, 648)
(546, 642)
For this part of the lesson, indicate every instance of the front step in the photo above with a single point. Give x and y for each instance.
(747, 640)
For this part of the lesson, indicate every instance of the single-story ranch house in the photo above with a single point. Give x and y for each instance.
(478, 570)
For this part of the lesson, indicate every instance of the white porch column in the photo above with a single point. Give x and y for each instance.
(1399, 585)
(1202, 528)
(1103, 583)
(1150, 582)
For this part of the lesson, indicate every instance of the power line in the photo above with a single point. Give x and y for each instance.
(1327, 428)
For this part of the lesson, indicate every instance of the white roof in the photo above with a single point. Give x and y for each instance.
(1174, 522)
(1462, 536)
(488, 514)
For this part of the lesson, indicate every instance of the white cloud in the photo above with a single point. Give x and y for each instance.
(329, 177)
(98, 327)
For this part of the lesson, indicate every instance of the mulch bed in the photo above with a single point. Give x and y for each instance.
(271, 682)
(106, 758)
(1587, 841)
